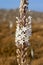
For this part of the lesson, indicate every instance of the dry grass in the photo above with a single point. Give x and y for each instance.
(7, 39)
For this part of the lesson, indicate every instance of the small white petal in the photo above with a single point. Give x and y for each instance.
(17, 18)
(24, 29)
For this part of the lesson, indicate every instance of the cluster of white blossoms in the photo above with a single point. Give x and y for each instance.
(24, 32)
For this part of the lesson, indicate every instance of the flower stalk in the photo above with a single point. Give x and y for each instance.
(23, 32)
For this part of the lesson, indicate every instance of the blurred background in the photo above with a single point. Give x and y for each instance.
(9, 9)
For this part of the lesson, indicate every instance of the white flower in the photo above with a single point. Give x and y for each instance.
(28, 32)
(18, 32)
(25, 5)
(17, 22)
(18, 38)
(29, 27)
(17, 28)
(26, 38)
(22, 34)
(17, 19)
(29, 19)
(21, 42)
(26, 20)
(24, 28)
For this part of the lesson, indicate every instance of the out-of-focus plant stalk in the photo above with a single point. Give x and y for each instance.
(23, 32)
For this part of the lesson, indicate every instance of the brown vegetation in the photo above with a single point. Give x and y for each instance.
(7, 38)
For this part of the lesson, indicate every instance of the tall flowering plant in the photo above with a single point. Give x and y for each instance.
(23, 32)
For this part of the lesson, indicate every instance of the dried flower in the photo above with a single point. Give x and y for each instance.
(23, 32)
